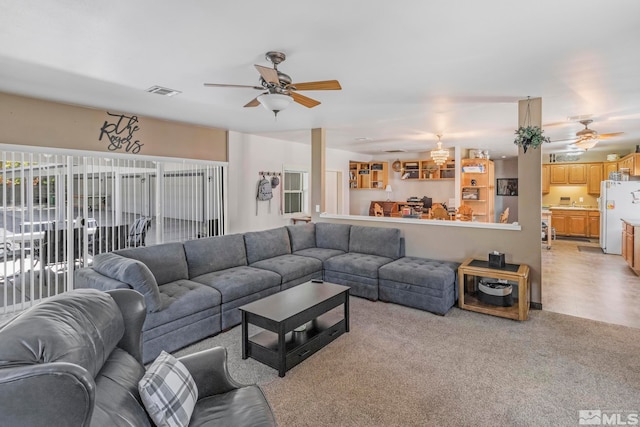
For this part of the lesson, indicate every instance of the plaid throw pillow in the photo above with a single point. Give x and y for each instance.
(168, 392)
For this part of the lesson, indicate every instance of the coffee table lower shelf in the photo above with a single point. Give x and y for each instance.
(263, 346)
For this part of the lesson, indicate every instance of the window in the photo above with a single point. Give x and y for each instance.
(296, 187)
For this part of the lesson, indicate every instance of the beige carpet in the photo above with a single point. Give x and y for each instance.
(405, 367)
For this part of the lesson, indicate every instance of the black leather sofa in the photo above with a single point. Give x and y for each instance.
(75, 360)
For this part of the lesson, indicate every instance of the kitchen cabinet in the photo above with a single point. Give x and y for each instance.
(594, 177)
(576, 222)
(577, 174)
(609, 167)
(558, 174)
(546, 178)
(594, 224)
(631, 162)
(631, 244)
(559, 221)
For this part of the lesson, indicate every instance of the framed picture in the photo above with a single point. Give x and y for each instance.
(507, 187)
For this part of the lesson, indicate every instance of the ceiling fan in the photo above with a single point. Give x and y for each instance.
(279, 89)
(588, 138)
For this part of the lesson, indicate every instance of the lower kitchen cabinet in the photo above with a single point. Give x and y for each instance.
(576, 223)
(594, 224)
(631, 244)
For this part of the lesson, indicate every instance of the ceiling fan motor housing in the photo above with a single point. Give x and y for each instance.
(586, 133)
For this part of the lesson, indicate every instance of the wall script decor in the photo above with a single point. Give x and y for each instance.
(120, 133)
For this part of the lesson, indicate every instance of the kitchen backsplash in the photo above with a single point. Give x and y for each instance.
(572, 191)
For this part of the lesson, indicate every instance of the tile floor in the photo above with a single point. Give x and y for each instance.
(589, 284)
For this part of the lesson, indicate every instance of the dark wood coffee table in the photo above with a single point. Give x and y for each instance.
(278, 345)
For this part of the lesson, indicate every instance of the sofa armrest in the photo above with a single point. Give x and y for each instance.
(51, 394)
(89, 278)
(209, 370)
(134, 313)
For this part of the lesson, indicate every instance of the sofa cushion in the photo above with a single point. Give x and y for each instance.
(384, 242)
(215, 253)
(82, 326)
(132, 272)
(290, 267)
(167, 261)
(266, 244)
(168, 391)
(332, 236)
(302, 236)
(237, 282)
(357, 264)
(117, 400)
(319, 253)
(245, 406)
(180, 299)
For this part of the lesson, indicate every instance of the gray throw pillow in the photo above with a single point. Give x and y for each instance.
(132, 272)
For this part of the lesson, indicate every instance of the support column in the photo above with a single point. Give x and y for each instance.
(530, 188)
(318, 167)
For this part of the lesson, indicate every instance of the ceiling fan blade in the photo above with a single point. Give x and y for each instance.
(321, 85)
(268, 74)
(610, 135)
(253, 103)
(225, 85)
(304, 100)
(568, 140)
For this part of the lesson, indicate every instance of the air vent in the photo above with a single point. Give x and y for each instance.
(395, 151)
(164, 91)
(578, 118)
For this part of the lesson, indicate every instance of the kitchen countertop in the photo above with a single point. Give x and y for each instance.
(632, 221)
(574, 208)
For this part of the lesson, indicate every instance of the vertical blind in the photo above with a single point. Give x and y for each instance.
(60, 210)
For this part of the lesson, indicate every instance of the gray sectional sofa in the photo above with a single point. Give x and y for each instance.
(193, 289)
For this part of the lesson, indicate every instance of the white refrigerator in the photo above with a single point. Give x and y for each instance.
(616, 202)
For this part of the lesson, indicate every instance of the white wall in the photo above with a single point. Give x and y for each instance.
(250, 154)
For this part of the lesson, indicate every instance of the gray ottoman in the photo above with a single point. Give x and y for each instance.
(426, 284)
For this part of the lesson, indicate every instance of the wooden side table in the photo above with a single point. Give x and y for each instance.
(469, 274)
(305, 219)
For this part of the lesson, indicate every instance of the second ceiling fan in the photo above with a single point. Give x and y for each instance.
(279, 89)
(588, 138)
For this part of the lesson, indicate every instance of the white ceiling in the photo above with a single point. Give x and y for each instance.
(409, 69)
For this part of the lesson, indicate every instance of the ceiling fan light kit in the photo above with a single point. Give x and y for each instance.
(275, 102)
(440, 155)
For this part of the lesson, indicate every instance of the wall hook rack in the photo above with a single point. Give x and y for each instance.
(264, 173)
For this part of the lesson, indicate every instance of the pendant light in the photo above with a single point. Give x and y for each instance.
(440, 155)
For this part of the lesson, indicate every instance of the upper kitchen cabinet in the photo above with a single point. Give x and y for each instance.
(609, 167)
(577, 174)
(570, 173)
(546, 177)
(631, 162)
(558, 174)
(594, 177)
